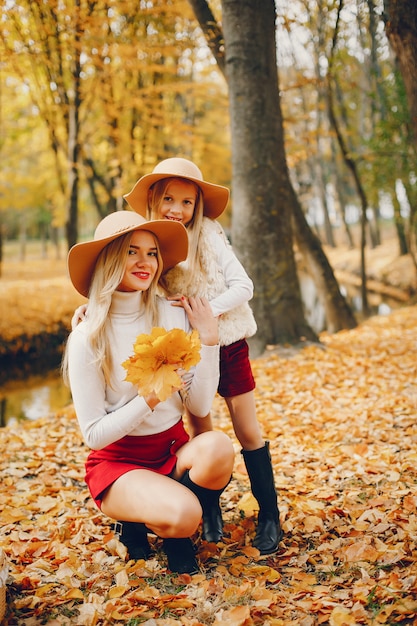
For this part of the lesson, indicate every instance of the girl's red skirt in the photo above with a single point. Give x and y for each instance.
(153, 452)
(236, 375)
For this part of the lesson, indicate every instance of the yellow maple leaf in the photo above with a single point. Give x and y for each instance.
(117, 592)
(158, 356)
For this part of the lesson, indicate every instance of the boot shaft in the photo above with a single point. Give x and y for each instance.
(261, 476)
(207, 497)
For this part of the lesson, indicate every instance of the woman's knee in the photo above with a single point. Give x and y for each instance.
(182, 517)
(221, 447)
(216, 452)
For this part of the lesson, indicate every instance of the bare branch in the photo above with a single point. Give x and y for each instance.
(211, 30)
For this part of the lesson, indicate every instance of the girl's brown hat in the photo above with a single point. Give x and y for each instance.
(215, 197)
(172, 239)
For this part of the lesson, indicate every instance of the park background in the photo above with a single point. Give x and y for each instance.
(322, 171)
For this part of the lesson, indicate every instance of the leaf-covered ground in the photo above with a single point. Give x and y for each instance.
(341, 419)
(36, 304)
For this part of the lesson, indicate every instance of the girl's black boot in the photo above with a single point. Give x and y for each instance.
(210, 503)
(261, 476)
(134, 536)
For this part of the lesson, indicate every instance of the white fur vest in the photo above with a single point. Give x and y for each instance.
(238, 323)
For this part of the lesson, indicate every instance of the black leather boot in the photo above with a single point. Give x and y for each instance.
(261, 476)
(181, 555)
(209, 500)
(135, 537)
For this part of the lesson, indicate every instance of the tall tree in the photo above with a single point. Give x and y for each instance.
(264, 202)
(349, 161)
(261, 186)
(400, 17)
(401, 29)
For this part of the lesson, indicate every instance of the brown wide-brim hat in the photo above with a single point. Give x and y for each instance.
(171, 236)
(215, 197)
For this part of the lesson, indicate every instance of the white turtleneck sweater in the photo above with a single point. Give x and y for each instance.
(107, 414)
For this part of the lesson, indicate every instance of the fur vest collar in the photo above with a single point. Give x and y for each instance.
(238, 323)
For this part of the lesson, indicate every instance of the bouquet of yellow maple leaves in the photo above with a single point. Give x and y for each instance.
(157, 357)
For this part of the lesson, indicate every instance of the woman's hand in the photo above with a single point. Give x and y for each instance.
(79, 316)
(152, 399)
(201, 318)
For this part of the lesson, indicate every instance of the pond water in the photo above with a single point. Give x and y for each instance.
(30, 397)
(35, 397)
(314, 311)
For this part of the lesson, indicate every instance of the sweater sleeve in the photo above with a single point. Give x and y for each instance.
(239, 285)
(98, 426)
(202, 381)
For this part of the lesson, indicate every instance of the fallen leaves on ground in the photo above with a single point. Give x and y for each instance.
(341, 419)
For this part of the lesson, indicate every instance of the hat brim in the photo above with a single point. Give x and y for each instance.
(172, 240)
(215, 197)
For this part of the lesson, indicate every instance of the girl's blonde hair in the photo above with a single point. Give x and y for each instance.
(156, 195)
(108, 274)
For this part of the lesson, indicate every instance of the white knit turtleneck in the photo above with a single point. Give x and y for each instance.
(107, 414)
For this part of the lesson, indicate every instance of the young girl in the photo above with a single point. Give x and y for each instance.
(175, 191)
(142, 467)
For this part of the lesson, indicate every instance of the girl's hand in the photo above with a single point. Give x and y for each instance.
(79, 316)
(201, 319)
(175, 299)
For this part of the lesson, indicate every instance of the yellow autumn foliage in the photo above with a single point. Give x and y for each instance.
(158, 356)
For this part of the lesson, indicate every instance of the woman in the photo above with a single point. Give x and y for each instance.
(176, 191)
(142, 468)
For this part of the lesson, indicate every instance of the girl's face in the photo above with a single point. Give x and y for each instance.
(178, 202)
(141, 264)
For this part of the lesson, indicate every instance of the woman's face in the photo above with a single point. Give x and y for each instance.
(141, 264)
(179, 200)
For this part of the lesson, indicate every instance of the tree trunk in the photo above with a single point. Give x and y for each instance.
(261, 189)
(73, 144)
(71, 227)
(338, 313)
(411, 233)
(350, 163)
(22, 237)
(342, 201)
(399, 225)
(1, 247)
(212, 31)
(400, 18)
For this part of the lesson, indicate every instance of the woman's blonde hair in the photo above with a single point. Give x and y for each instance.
(156, 195)
(108, 274)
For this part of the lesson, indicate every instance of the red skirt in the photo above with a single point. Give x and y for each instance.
(152, 452)
(236, 375)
